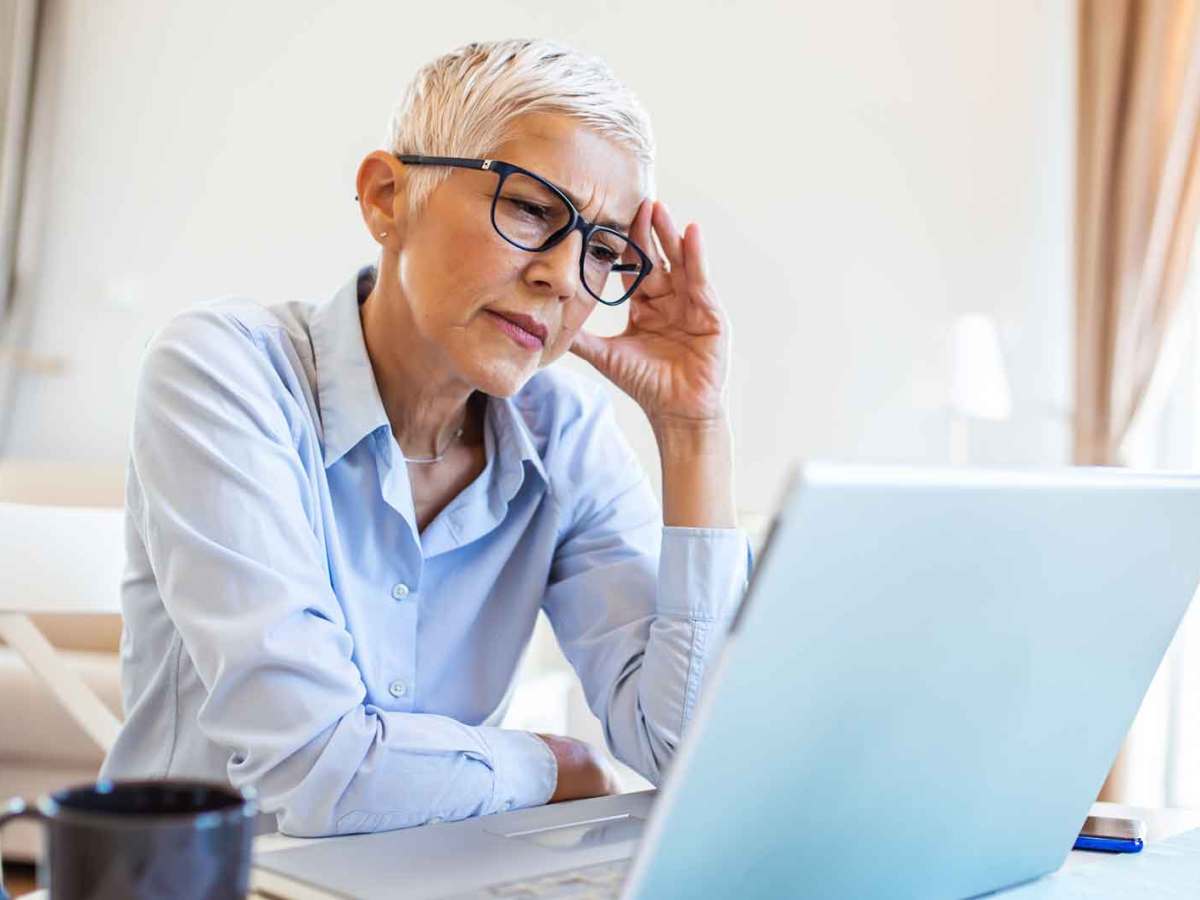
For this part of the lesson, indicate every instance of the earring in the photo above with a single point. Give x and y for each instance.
(383, 234)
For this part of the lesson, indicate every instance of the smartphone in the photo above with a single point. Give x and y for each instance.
(1111, 835)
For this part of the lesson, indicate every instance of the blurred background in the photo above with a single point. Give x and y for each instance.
(945, 232)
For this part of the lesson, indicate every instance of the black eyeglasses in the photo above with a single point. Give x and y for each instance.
(532, 214)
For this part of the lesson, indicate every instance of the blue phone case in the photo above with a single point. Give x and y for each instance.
(1108, 844)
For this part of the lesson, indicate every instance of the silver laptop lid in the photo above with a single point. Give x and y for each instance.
(928, 681)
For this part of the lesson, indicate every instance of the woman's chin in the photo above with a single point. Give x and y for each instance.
(503, 378)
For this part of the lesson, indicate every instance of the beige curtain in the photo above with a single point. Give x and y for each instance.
(1137, 200)
(1136, 203)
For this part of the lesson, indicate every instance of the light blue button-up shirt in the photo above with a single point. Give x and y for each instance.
(288, 628)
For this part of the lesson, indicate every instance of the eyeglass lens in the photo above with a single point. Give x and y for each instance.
(529, 214)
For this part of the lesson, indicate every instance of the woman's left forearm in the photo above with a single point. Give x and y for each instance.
(697, 473)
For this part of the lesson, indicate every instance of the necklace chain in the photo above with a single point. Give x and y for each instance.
(432, 459)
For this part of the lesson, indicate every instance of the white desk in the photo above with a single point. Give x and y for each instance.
(1160, 825)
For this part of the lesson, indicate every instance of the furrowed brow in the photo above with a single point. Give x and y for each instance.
(622, 227)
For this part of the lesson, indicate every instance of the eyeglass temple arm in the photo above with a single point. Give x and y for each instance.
(456, 161)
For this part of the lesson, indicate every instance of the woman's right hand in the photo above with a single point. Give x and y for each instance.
(583, 771)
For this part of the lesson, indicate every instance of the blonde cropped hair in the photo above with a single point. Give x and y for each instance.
(465, 103)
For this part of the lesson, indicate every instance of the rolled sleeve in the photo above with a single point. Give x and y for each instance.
(702, 572)
(526, 772)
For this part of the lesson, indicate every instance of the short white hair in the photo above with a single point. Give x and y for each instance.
(466, 102)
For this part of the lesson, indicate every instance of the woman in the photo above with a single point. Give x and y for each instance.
(343, 517)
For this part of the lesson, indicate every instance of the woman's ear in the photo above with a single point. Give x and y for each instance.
(383, 197)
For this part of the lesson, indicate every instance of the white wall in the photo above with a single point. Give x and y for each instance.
(864, 173)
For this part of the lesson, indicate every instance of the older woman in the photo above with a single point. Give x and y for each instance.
(343, 517)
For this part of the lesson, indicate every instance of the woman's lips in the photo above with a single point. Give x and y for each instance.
(516, 332)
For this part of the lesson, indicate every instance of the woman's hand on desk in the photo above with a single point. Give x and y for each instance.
(582, 770)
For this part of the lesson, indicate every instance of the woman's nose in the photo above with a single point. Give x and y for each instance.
(556, 270)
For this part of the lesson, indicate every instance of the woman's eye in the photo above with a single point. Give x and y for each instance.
(603, 254)
(529, 209)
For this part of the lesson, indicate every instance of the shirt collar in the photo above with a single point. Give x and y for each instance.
(515, 444)
(347, 395)
(483, 504)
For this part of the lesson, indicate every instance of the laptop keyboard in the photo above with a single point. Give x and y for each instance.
(598, 882)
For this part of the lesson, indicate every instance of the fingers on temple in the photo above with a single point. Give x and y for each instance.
(640, 232)
(668, 235)
(643, 234)
(694, 260)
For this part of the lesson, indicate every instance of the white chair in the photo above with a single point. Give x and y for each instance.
(57, 561)
(50, 749)
(60, 561)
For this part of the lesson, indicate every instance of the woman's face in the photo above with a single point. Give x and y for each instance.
(460, 279)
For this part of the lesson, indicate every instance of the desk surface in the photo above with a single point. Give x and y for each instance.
(1160, 825)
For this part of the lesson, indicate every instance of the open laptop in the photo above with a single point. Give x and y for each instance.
(920, 697)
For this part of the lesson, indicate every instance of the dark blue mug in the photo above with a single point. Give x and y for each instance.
(143, 839)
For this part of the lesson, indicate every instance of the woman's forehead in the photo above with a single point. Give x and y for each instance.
(602, 177)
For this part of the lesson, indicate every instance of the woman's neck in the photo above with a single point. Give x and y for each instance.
(425, 405)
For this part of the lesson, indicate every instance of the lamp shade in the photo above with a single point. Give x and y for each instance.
(978, 380)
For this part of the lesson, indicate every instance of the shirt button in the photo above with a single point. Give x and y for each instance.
(400, 591)
(397, 689)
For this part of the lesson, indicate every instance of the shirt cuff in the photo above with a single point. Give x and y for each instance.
(702, 572)
(524, 770)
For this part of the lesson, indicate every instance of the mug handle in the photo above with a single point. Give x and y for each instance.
(16, 809)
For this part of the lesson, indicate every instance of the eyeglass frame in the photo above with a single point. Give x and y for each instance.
(577, 222)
